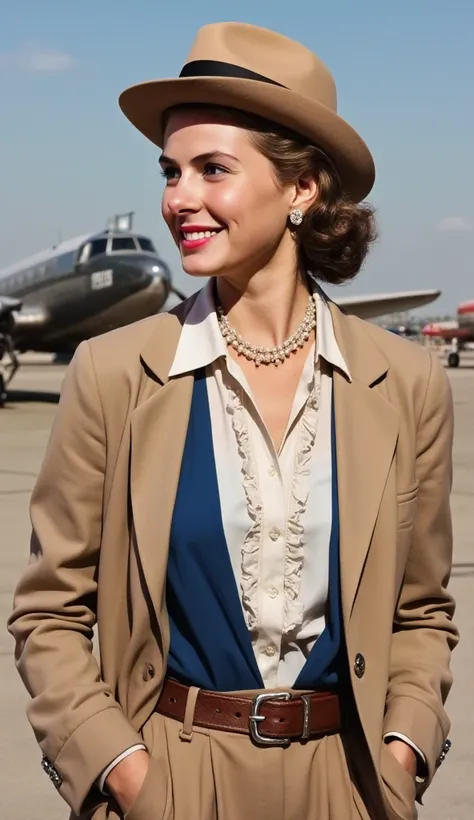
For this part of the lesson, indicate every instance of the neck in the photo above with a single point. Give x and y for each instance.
(266, 309)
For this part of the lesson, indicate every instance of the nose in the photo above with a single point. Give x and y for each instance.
(183, 197)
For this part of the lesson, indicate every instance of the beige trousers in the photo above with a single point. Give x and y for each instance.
(215, 775)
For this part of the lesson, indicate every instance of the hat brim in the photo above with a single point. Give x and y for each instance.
(144, 105)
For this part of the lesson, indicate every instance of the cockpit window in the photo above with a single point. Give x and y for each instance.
(84, 253)
(123, 243)
(146, 244)
(98, 246)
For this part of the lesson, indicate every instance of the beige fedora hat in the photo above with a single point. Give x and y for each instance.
(261, 72)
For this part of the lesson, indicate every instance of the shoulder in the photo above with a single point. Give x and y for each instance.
(412, 358)
(408, 359)
(414, 372)
(120, 349)
(109, 372)
(419, 375)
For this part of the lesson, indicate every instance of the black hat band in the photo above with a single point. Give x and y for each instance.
(216, 68)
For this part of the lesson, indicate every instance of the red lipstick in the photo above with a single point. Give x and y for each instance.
(195, 236)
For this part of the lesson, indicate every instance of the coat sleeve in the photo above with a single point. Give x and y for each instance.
(424, 632)
(77, 722)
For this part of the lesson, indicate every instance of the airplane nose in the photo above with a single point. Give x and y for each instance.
(158, 280)
(161, 270)
(148, 276)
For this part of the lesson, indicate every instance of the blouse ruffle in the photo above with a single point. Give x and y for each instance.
(251, 545)
(293, 609)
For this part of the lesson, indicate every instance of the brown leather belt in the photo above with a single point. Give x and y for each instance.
(271, 719)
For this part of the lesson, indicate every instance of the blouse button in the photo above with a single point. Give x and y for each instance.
(274, 534)
(273, 592)
(272, 471)
(270, 651)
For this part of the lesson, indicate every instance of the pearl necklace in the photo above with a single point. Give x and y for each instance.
(268, 355)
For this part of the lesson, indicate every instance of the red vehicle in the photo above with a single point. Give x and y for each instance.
(459, 332)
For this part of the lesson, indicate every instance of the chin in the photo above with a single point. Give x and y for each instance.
(194, 266)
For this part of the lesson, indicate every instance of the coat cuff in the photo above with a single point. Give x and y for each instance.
(85, 755)
(413, 718)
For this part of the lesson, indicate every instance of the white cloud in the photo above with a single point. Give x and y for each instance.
(50, 61)
(455, 223)
(32, 58)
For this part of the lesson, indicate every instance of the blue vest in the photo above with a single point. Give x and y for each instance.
(210, 645)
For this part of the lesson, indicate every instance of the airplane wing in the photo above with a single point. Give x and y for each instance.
(368, 307)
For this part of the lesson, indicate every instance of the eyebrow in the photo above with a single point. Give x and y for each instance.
(199, 158)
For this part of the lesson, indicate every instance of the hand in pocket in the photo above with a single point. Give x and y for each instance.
(127, 778)
(400, 786)
(150, 801)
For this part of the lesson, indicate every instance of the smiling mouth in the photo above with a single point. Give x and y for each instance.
(196, 236)
(192, 241)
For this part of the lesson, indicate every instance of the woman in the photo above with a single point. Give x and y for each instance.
(250, 494)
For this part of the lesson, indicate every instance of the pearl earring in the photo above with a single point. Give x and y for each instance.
(296, 217)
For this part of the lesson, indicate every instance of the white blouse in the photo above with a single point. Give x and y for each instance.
(276, 507)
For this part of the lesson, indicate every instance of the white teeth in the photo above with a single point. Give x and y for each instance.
(194, 235)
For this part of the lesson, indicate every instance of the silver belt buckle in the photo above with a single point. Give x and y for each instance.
(255, 718)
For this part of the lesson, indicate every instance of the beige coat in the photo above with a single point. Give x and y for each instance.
(101, 514)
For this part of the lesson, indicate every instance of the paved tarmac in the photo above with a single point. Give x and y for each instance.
(25, 792)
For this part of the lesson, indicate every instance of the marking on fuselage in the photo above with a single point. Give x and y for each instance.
(102, 279)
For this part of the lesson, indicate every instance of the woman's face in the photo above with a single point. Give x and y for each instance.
(221, 202)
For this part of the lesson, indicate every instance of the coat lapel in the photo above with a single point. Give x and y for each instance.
(159, 429)
(158, 433)
(366, 437)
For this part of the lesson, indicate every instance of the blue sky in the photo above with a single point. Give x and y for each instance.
(405, 78)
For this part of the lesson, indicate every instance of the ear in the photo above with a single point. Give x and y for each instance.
(305, 193)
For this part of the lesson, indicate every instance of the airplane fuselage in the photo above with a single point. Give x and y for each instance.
(466, 316)
(461, 328)
(78, 294)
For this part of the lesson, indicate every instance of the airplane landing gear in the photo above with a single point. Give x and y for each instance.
(9, 364)
(453, 355)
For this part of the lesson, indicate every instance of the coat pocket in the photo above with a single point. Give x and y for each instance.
(406, 505)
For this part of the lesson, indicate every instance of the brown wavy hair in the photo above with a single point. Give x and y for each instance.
(336, 233)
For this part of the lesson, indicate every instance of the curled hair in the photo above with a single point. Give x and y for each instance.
(334, 238)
